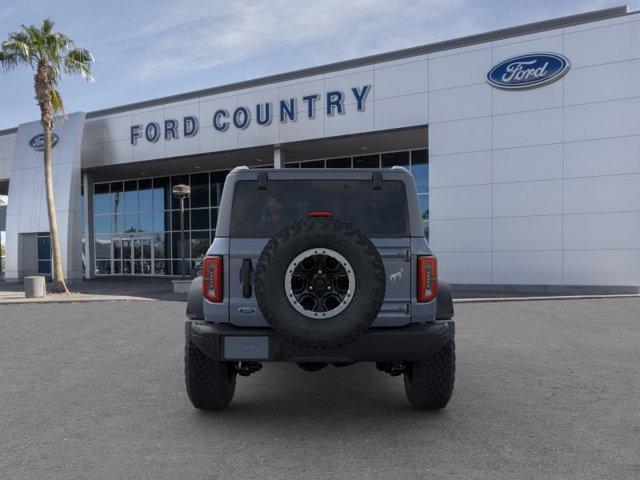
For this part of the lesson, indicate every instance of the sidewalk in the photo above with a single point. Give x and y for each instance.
(103, 289)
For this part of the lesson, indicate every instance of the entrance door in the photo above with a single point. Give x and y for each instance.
(132, 256)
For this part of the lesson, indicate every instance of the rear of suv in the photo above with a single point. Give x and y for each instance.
(319, 267)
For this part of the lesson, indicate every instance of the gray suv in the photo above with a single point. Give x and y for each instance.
(319, 267)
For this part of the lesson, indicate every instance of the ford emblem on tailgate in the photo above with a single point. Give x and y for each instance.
(37, 142)
(528, 71)
(246, 309)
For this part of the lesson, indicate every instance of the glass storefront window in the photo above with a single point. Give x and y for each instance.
(161, 194)
(339, 163)
(145, 209)
(145, 195)
(200, 219)
(314, 164)
(199, 244)
(103, 247)
(161, 221)
(175, 220)
(117, 192)
(145, 221)
(200, 190)
(217, 182)
(131, 196)
(400, 159)
(420, 169)
(367, 161)
(101, 198)
(101, 224)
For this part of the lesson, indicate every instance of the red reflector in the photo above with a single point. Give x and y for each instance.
(319, 213)
(212, 279)
(427, 279)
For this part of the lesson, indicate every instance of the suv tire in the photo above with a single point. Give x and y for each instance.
(210, 384)
(363, 263)
(429, 383)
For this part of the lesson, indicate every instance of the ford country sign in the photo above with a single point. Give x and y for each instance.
(37, 142)
(528, 71)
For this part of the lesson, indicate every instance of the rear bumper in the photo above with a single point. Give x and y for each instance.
(410, 343)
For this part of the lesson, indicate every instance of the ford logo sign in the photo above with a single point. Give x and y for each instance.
(37, 142)
(528, 71)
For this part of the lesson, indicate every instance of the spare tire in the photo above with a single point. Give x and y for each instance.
(320, 283)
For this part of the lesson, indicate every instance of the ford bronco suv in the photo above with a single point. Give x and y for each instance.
(319, 267)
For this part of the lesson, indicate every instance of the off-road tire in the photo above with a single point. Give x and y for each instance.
(210, 384)
(429, 383)
(299, 237)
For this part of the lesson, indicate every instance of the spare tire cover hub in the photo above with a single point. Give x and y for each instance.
(320, 283)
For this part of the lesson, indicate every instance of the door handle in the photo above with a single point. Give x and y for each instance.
(246, 278)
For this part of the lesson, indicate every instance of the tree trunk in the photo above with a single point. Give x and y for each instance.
(59, 285)
(46, 118)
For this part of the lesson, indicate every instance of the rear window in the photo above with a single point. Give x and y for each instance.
(261, 213)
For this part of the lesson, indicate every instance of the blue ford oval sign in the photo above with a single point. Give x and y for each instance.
(37, 142)
(528, 71)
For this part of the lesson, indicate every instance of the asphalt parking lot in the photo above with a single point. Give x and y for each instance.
(546, 389)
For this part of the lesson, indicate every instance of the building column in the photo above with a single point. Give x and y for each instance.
(87, 206)
(277, 157)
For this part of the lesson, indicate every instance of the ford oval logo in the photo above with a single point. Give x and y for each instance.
(528, 71)
(37, 142)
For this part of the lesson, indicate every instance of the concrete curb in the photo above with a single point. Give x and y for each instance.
(71, 299)
(541, 299)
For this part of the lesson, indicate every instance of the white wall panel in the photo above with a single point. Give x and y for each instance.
(603, 45)
(398, 112)
(542, 232)
(601, 267)
(92, 132)
(613, 193)
(508, 101)
(402, 79)
(527, 198)
(606, 231)
(255, 135)
(599, 83)
(302, 129)
(459, 103)
(464, 235)
(540, 162)
(119, 151)
(212, 140)
(465, 267)
(210, 105)
(459, 69)
(528, 128)
(302, 88)
(471, 168)
(601, 120)
(116, 127)
(460, 202)
(460, 136)
(351, 121)
(346, 82)
(602, 157)
(550, 41)
(529, 268)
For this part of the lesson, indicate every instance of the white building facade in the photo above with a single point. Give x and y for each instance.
(524, 143)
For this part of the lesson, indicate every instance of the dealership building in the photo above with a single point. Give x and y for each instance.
(524, 144)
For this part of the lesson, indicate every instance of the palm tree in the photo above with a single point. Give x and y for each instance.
(49, 54)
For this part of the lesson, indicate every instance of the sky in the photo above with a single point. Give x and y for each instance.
(148, 49)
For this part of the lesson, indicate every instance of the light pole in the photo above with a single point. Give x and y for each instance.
(182, 192)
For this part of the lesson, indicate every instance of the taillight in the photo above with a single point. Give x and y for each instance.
(212, 279)
(427, 279)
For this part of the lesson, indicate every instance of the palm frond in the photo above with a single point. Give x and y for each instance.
(56, 102)
(78, 61)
